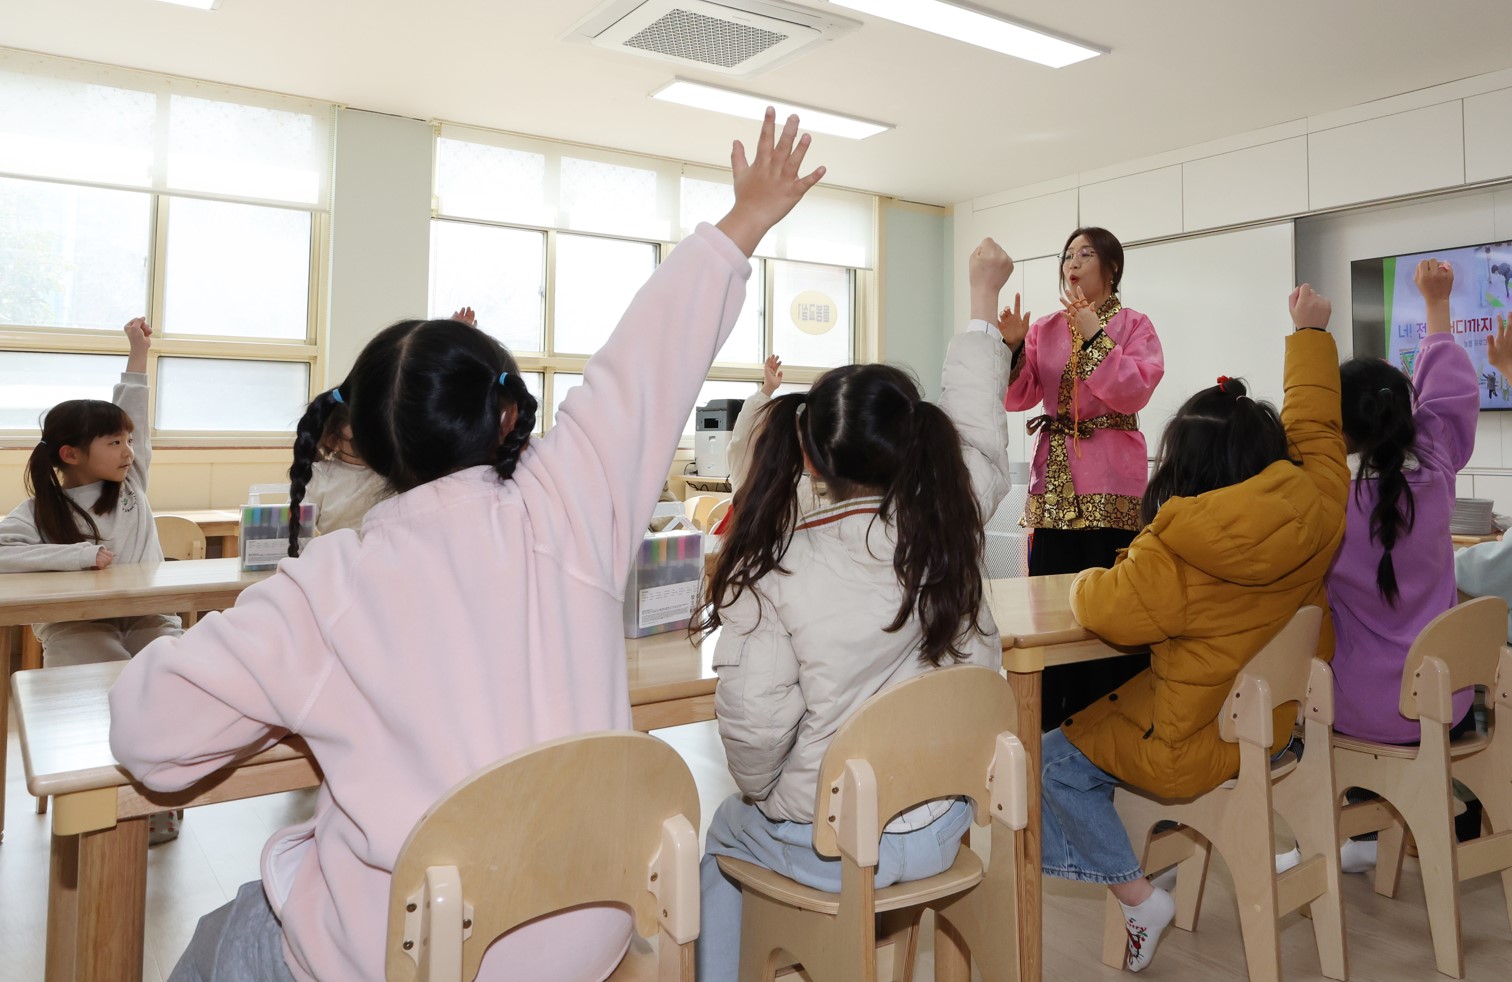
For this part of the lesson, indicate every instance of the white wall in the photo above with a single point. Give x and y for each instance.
(380, 230)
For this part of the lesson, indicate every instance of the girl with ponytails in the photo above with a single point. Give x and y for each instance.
(824, 603)
(478, 614)
(1395, 571)
(88, 479)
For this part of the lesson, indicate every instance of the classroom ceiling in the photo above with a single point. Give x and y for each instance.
(969, 122)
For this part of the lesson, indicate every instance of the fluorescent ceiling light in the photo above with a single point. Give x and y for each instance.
(973, 27)
(747, 106)
(196, 4)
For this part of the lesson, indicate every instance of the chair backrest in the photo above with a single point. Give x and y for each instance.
(717, 513)
(697, 508)
(1468, 639)
(596, 818)
(180, 538)
(1279, 673)
(946, 732)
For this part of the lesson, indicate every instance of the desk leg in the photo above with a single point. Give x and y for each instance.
(62, 908)
(1031, 914)
(112, 901)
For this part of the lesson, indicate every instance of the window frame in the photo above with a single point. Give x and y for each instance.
(111, 341)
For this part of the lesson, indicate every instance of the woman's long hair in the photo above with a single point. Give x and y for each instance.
(75, 423)
(866, 430)
(1378, 424)
(1218, 437)
(425, 399)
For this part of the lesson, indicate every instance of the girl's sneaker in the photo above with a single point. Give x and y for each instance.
(1145, 924)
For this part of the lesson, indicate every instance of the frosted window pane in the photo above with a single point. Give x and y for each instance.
(743, 346)
(31, 383)
(499, 272)
(811, 314)
(610, 198)
(237, 271)
(561, 384)
(72, 256)
(478, 181)
(231, 396)
(246, 151)
(73, 130)
(595, 281)
(709, 201)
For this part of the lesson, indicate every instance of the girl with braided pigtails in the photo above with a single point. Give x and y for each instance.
(477, 615)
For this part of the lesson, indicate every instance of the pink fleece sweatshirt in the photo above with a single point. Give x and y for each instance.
(473, 619)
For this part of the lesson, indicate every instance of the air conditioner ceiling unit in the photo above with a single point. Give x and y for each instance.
(739, 38)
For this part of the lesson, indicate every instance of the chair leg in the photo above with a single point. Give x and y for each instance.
(1391, 848)
(901, 930)
(952, 960)
(1440, 870)
(42, 805)
(1191, 881)
(1115, 953)
(31, 650)
(1254, 874)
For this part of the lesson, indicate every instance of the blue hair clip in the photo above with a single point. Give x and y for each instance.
(336, 394)
(502, 377)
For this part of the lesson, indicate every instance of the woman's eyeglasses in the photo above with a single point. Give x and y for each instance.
(1079, 256)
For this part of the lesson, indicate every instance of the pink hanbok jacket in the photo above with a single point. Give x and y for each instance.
(471, 620)
(1111, 468)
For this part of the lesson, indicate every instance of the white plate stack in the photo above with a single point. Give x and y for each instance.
(1472, 516)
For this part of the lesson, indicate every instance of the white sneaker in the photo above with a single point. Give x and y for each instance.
(1286, 860)
(1145, 924)
(1356, 856)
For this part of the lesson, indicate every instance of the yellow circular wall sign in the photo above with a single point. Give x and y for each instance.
(814, 313)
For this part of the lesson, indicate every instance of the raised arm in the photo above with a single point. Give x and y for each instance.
(974, 381)
(610, 448)
(1310, 410)
(1448, 392)
(743, 435)
(131, 395)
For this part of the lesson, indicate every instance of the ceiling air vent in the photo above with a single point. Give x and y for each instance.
(732, 37)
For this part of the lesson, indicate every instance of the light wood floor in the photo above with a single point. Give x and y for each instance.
(220, 845)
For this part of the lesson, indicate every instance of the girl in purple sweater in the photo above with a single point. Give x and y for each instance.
(1395, 569)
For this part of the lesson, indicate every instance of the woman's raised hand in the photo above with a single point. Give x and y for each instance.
(767, 187)
(1079, 313)
(1013, 325)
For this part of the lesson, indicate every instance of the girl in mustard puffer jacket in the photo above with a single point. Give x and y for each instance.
(1243, 516)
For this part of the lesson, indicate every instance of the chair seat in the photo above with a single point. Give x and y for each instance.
(965, 873)
(1459, 748)
(1279, 768)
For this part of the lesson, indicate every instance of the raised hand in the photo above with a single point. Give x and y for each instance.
(771, 374)
(103, 558)
(1079, 313)
(466, 316)
(767, 187)
(1013, 325)
(1499, 346)
(1308, 307)
(989, 267)
(1435, 280)
(139, 336)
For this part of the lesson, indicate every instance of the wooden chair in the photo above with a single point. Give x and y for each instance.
(1238, 818)
(181, 539)
(698, 507)
(1462, 647)
(718, 512)
(605, 817)
(949, 732)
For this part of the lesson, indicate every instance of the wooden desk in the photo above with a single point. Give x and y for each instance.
(1034, 616)
(221, 525)
(98, 886)
(118, 591)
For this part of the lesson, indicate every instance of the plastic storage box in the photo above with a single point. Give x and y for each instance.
(664, 583)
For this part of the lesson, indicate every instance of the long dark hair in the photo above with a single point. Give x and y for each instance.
(867, 430)
(425, 399)
(1378, 424)
(75, 423)
(1218, 437)
(1110, 253)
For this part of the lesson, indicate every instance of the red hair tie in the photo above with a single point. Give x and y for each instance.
(1223, 381)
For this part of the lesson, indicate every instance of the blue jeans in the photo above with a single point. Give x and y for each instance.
(1083, 838)
(741, 831)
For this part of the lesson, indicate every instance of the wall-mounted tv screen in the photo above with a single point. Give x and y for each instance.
(1390, 319)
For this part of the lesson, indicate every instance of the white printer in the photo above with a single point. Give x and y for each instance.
(712, 426)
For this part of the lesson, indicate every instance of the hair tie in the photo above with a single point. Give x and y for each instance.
(41, 441)
(1223, 381)
(336, 394)
(1384, 392)
(502, 377)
